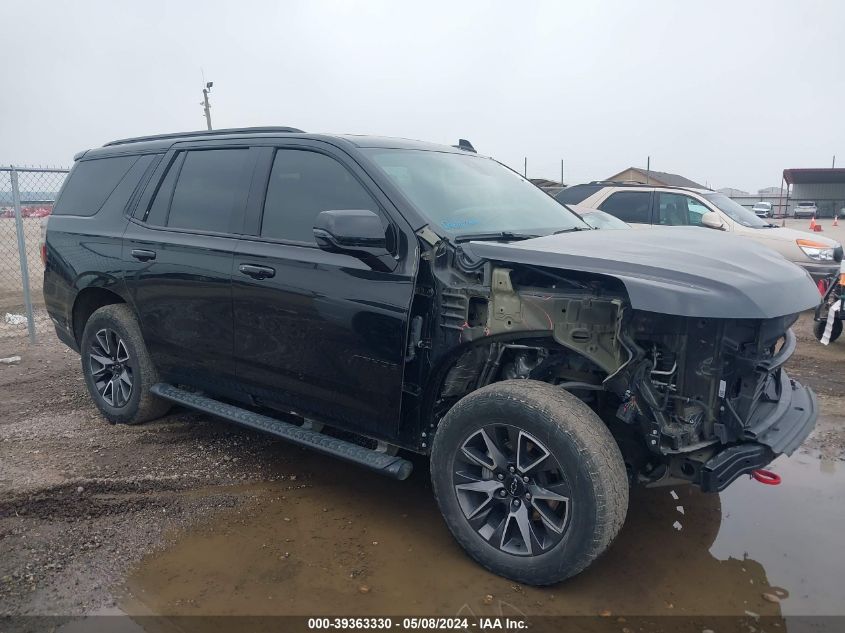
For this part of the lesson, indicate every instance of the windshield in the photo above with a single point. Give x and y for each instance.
(736, 212)
(464, 194)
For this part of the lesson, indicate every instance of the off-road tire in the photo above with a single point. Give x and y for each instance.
(583, 447)
(141, 405)
(819, 326)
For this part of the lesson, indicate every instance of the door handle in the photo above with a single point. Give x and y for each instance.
(257, 272)
(143, 255)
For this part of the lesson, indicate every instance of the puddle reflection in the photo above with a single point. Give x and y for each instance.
(352, 543)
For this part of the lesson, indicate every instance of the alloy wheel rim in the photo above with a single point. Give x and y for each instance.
(512, 490)
(108, 359)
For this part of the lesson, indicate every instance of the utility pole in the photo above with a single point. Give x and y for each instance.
(833, 166)
(561, 172)
(647, 170)
(525, 168)
(205, 104)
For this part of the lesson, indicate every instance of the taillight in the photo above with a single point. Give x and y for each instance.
(44, 254)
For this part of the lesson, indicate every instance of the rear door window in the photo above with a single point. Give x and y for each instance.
(203, 190)
(211, 188)
(91, 183)
(633, 207)
(302, 184)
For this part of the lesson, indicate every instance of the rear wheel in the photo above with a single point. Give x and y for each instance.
(117, 367)
(529, 480)
(819, 326)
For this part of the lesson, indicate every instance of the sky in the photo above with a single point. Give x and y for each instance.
(726, 93)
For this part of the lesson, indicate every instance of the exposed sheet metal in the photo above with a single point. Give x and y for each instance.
(683, 271)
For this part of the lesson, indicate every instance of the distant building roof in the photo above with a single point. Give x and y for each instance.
(551, 187)
(814, 176)
(544, 182)
(730, 191)
(769, 190)
(660, 178)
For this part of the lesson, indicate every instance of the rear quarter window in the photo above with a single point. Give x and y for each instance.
(91, 182)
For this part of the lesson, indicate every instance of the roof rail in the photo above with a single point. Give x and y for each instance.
(233, 130)
(617, 182)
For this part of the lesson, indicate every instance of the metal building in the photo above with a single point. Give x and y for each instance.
(825, 187)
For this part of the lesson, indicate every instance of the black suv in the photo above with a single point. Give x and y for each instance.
(362, 295)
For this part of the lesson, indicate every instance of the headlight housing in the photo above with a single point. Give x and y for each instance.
(816, 251)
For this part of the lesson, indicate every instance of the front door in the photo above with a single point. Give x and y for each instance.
(317, 333)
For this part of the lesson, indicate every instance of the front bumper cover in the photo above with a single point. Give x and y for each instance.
(820, 270)
(774, 428)
(784, 424)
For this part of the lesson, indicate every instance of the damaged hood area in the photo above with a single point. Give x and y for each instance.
(682, 271)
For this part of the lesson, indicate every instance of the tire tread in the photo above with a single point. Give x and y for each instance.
(149, 407)
(601, 456)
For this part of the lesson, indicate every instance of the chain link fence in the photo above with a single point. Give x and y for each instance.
(27, 195)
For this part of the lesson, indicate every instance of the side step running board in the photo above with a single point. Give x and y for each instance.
(390, 465)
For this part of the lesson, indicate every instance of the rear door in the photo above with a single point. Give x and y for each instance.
(630, 205)
(319, 333)
(179, 249)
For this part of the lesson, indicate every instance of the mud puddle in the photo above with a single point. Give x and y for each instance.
(343, 542)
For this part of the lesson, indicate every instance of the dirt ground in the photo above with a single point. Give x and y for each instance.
(188, 515)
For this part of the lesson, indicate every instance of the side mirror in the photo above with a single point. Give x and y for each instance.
(355, 232)
(712, 220)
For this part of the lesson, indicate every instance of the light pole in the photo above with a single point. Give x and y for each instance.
(207, 106)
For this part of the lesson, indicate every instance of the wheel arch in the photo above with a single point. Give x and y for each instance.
(88, 301)
(441, 371)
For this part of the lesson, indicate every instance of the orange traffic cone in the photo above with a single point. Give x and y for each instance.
(835, 220)
(813, 223)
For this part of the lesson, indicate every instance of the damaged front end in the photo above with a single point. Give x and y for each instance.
(696, 399)
(711, 395)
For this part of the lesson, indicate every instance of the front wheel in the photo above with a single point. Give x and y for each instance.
(529, 480)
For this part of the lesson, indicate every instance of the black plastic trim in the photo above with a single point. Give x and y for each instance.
(784, 424)
(723, 469)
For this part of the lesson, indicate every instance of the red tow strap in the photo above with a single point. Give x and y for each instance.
(766, 477)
